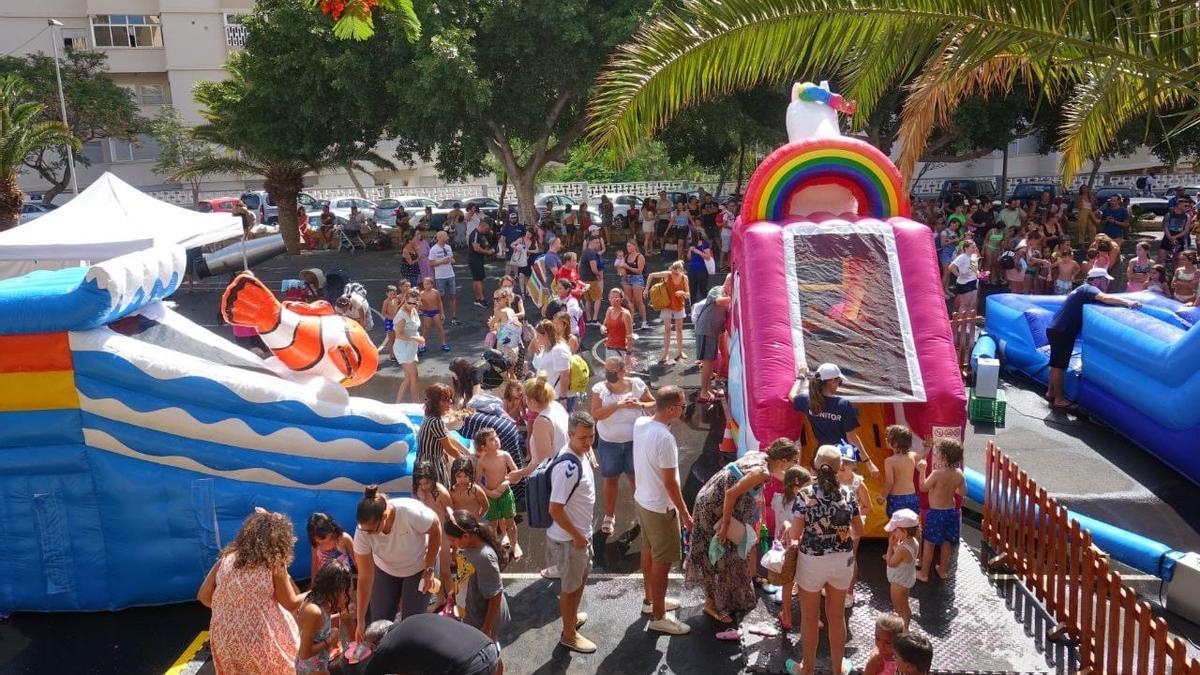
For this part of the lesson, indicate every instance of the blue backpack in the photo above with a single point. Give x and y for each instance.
(537, 489)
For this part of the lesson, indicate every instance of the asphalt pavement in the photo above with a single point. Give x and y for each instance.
(1089, 467)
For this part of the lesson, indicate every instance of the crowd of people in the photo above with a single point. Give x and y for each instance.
(1031, 246)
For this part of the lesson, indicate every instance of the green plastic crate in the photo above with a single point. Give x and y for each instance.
(991, 410)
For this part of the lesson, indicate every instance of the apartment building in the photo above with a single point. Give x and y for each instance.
(158, 49)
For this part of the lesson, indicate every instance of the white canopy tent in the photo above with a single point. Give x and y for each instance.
(108, 219)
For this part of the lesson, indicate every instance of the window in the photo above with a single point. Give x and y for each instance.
(235, 31)
(126, 30)
(144, 148)
(151, 94)
(74, 38)
(93, 151)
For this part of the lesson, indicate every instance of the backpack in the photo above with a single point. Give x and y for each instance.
(698, 310)
(580, 374)
(1008, 260)
(1141, 183)
(538, 487)
(660, 297)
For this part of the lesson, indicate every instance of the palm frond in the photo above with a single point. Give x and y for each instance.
(871, 45)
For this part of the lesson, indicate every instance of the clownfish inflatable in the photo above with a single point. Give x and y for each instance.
(307, 338)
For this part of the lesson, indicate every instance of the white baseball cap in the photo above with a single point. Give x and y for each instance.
(1099, 272)
(829, 371)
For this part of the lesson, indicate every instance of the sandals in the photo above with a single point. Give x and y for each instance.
(719, 618)
(729, 634)
(1070, 408)
(608, 525)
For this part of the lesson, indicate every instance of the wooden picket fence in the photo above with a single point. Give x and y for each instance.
(1054, 558)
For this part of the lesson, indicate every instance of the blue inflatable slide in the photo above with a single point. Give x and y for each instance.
(1137, 370)
(133, 442)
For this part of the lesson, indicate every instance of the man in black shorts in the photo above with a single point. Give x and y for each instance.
(480, 245)
(1065, 327)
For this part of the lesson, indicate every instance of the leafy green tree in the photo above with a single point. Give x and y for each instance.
(509, 79)
(23, 133)
(179, 150)
(97, 108)
(1118, 62)
(298, 100)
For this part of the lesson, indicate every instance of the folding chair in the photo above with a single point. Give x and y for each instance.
(350, 240)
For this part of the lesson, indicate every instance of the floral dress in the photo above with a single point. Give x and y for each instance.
(728, 583)
(250, 633)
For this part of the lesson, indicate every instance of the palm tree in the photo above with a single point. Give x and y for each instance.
(1114, 61)
(21, 135)
(283, 173)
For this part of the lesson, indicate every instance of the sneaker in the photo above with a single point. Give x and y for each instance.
(670, 605)
(455, 322)
(645, 325)
(445, 348)
(422, 350)
(480, 303)
(579, 644)
(580, 619)
(669, 625)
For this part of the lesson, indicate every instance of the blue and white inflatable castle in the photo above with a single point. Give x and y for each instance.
(133, 442)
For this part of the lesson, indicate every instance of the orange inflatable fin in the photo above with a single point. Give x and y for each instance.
(247, 302)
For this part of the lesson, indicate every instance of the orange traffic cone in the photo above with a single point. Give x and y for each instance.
(727, 444)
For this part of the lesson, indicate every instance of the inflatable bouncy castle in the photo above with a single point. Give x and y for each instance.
(133, 442)
(828, 268)
(1138, 370)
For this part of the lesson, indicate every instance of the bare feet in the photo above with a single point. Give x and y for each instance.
(517, 553)
(942, 572)
(924, 578)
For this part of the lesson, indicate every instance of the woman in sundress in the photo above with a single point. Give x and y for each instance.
(253, 600)
(728, 586)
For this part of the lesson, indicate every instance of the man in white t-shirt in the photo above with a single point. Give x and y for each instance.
(660, 507)
(441, 259)
(569, 539)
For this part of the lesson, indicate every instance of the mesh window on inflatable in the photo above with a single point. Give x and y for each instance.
(847, 304)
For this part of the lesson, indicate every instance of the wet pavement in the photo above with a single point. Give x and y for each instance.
(976, 624)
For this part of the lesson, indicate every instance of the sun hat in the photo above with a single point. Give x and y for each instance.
(902, 518)
(1099, 273)
(829, 371)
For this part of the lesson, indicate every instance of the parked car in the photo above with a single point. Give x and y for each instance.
(622, 203)
(561, 202)
(1192, 191)
(33, 211)
(340, 206)
(1031, 192)
(1137, 204)
(973, 188)
(385, 209)
(218, 205)
(267, 210)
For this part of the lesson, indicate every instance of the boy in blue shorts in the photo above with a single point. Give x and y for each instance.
(943, 519)
(899, 482)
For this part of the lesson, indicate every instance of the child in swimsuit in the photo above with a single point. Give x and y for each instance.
(494, 465)
(430, 308)
(1158, 281)
(1139, 268)
(1065, 269)
(1185, 278)
(391, 305)
(465, 493)
(328, 600)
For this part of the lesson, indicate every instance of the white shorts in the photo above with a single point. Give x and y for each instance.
(668, 314)
(814, 571)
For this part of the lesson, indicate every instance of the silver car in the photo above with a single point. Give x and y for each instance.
(34, 211)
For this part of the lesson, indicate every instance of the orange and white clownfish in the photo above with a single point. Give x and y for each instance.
(307, 338)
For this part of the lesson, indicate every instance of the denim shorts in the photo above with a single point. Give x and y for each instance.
(446, 286)
(615, 458)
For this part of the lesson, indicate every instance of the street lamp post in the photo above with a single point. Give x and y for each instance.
(62, 102)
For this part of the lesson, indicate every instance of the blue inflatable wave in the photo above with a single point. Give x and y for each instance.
(1138, 370)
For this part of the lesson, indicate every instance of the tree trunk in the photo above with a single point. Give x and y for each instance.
(11, 200)
(57, 187)
(503, 191)
(741, 160)
(524, 179)
(354, 179)
(1004, 175)
(284, 184)
(1095, 172)
(721, 179)
(195, 182)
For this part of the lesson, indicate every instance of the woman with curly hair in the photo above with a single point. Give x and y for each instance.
(253, 599)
